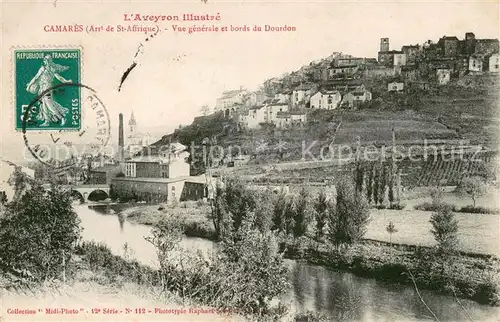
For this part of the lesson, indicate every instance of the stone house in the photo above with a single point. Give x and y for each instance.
(230, 98)
(357, 97)
(493, 63)
(302, 93)
(324, 99)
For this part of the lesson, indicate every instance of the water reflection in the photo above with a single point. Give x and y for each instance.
(342, 296)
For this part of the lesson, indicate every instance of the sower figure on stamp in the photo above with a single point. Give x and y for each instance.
(50, 110)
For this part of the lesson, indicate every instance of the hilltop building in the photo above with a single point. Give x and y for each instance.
(230, 98)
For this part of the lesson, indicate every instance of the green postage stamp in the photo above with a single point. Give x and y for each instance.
(46, 82)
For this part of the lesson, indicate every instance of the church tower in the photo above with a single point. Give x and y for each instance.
(132, 124)
(384, 44)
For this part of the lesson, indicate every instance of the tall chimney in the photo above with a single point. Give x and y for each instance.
(120, 138)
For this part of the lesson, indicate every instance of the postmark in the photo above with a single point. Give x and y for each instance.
(37, 74)
(65, 149)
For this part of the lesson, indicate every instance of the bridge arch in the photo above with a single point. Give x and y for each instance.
(97, 195)
(76, 195)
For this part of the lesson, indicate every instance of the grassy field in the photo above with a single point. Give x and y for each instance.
(477, 233)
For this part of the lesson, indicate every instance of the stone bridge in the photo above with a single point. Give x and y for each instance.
(84, 191)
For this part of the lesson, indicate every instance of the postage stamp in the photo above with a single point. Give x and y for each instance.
(37, 74)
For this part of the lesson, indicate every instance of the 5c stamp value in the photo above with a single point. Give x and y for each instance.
(37, 74)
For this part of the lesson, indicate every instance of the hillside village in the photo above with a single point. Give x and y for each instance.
(438, 91)
(346, 82)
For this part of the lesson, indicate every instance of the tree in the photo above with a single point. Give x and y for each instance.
(474, 187)
(239, 200)
(301, 213)
(39, 232)
(279, 212)
(445, 228)
(369, 186)
(20, 181)
(376, 183)
(383, 185)
(264, 211)
(348, 221)
(232, 202)
(205, 110)
(391, 229)
(358, 175)
(320, 212)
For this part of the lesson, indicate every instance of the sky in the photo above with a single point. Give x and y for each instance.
(177, 73)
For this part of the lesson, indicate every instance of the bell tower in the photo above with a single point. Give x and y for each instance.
(384, 44)
(132, 124)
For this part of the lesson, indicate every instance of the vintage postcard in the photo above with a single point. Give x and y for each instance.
(290, 161)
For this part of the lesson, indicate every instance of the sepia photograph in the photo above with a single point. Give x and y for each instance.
(280, 160)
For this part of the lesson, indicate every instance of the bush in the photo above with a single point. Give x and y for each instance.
(246, 273)
(478, 210)
(431, 206)
(397, 206)
(100, 259)
(445, 229)
(39, 232)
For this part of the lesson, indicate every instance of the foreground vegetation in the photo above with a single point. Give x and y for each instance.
(40, 238)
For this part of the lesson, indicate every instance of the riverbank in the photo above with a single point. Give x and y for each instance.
(464, 275)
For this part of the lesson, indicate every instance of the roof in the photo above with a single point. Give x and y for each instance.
(392, 52)
(271, 101)
(450, 38)
(153, 159)
(229, 94)
(106, 168)
(328, 92)
(256, 107)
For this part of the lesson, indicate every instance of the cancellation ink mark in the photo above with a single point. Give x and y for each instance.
(140, 50)
(125, 75)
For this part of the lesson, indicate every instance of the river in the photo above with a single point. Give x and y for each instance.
(341, 295)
